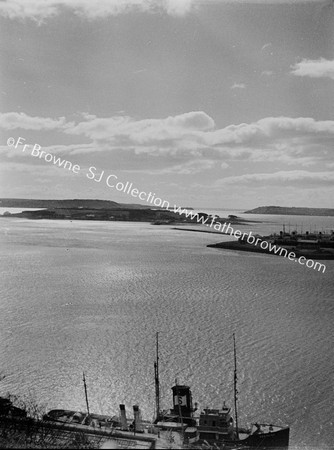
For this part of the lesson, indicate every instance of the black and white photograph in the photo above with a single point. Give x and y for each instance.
(167, 224)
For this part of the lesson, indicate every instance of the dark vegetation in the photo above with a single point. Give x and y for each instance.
(21, 426)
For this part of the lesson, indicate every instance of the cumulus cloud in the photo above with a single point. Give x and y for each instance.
(14, 120)
(126, 131)
(40, 10)
(302, 140)
(269, 130)
(320, 68)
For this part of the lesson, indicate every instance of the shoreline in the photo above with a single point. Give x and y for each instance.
(323, 255)
(202, 231)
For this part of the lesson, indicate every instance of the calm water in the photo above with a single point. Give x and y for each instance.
(91, 295)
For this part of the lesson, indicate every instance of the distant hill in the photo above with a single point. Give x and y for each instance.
(68, 203)
(293, 211)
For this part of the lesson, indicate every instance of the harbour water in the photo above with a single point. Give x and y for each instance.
(91, 295)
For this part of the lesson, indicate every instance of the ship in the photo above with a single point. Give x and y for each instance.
(215, 428)
(117, 431)
(183, 426)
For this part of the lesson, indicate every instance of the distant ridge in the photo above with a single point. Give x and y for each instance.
(295, 211)
(67, 203)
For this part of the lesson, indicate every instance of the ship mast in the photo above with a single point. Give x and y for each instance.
(235, 388)
(156, 376)
(84, 381)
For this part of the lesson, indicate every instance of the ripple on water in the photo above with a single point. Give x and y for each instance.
(85, 298)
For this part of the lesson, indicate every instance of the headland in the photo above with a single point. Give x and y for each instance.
(308, 245)
(288, 211)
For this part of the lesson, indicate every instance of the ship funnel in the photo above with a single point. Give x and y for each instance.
(124, 422)
(182, 401)
(137, 423)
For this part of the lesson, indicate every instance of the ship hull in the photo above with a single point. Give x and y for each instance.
(278, 439)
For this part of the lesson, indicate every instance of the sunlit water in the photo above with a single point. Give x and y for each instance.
(91, 295)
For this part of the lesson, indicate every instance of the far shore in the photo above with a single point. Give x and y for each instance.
(201, 231)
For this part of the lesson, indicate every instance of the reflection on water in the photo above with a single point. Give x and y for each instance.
(83, 295)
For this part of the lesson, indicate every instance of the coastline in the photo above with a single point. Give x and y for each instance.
(291, 211)
(245, 247)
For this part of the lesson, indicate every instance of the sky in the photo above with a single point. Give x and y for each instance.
(218, 104)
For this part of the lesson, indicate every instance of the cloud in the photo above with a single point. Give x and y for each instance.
(40, 10)
(321, 68)
(71, 149)
(178, 7)
(188, 168)
(300, 178)
(124, 130)
(14, 120)
(238, 86)
(301, 140)
(269, 130)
